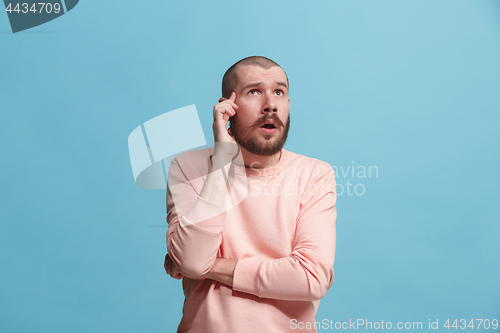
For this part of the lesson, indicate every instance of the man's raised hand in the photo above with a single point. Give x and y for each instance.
(224, 142)
(225, 109)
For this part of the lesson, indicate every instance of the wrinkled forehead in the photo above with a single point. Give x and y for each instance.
(252, 73)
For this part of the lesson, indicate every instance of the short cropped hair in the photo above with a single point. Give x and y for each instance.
(230, 79)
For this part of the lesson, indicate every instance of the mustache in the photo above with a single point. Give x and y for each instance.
(268, 116)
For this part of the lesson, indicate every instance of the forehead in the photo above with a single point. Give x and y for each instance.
(251, 73)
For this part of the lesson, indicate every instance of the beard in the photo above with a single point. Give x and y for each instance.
(253, 143)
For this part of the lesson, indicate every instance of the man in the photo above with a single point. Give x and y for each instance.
(251, 225)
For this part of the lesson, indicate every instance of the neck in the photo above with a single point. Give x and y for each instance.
(257, 161)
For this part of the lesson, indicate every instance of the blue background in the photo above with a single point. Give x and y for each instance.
(411, 87)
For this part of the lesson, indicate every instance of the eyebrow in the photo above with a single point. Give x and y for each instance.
(256, 84)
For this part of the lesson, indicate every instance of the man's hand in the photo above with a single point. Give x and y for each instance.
(225, 144)
(222, 270)
(175, 272)
(171, 268)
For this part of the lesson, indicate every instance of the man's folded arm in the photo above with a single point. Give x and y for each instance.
(195, 224)
(307, 273)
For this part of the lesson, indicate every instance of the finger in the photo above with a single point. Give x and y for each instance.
(175, 272)
(232, 100)
(230, 111)
(168, 264)
(225, 110)
(233, 104)
(228, 115)
(167, 270)
(228, 101)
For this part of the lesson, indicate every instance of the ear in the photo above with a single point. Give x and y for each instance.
(288, 102)
(222, 99)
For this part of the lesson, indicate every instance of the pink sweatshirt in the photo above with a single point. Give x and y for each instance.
(282, 234)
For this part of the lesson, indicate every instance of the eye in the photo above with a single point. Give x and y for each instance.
(279, 92)
(253, 92)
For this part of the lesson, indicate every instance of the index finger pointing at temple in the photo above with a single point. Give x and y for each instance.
(232, 98)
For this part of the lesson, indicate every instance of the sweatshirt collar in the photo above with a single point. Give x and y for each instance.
(263, 172)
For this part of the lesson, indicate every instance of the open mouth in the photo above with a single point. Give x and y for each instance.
(269, 126)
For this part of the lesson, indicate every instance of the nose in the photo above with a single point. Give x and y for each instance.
(269, 105)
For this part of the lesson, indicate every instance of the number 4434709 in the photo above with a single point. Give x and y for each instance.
(35, 8)
(463, 324)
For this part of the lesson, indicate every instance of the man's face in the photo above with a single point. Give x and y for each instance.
(262, 119)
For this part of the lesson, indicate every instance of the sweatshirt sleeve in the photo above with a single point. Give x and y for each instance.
(194, 224)
(307, 273)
